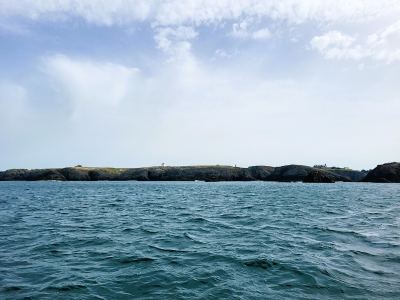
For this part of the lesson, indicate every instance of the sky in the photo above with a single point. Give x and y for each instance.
(134, 83)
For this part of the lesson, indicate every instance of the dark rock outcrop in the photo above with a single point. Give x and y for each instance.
(75, 174)
(14, 174)
(385, 173)
(350, 175)
(290, 173)
(261, 172)
(43, 174)
(102, 174)
(298, 173)
(140, 174)
(206, 173)
(317, 176)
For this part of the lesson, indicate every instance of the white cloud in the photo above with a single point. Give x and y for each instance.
(174, 42)
(90, 85)
(239, 30)
(188, 114)
(262, 34)
(222, 53)
(99, 12)
(177, 12)
(384, 46)
(168, 37)
(332, 38)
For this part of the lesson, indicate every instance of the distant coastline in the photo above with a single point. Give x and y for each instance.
(386, 173)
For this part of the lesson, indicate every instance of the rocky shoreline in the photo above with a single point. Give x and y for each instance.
(383, 173)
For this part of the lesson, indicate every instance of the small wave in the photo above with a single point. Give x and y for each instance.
(66, 288)
(349, 232)
(11, 288)
(261, 263)
(377, 272)
(325, 272)
(198, 219)
(358, 252)
(53, 247)
(94, 241)
(129, 260)
(166, 249)
(192, 238)
(149, 230)
(233, 216)
(247, 207)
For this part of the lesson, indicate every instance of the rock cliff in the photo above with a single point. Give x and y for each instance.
(298, 173)
(206, 173)
(385, 173)
(351, 175)
(43, 174)
(185, 173)
(75, 174)
(14, 174)
(261, 172)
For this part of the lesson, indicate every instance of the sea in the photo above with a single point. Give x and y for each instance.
(198, 240)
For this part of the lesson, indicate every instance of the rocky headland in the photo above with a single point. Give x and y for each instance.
(286, 173)
(386, 173)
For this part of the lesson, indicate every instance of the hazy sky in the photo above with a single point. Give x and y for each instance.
(132, 83)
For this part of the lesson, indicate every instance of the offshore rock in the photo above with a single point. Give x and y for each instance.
(317, 176)
(385, 173)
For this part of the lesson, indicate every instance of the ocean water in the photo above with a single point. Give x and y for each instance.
(196, 240)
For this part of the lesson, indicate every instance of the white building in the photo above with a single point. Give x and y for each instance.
(320, 166)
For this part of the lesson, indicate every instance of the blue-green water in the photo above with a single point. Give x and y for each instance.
(196, 240)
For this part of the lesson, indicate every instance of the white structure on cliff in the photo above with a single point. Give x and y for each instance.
(320, 166)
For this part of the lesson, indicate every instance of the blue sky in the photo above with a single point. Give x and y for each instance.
(138, 83)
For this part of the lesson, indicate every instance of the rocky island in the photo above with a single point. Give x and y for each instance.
(387, 173)
(382, 173)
